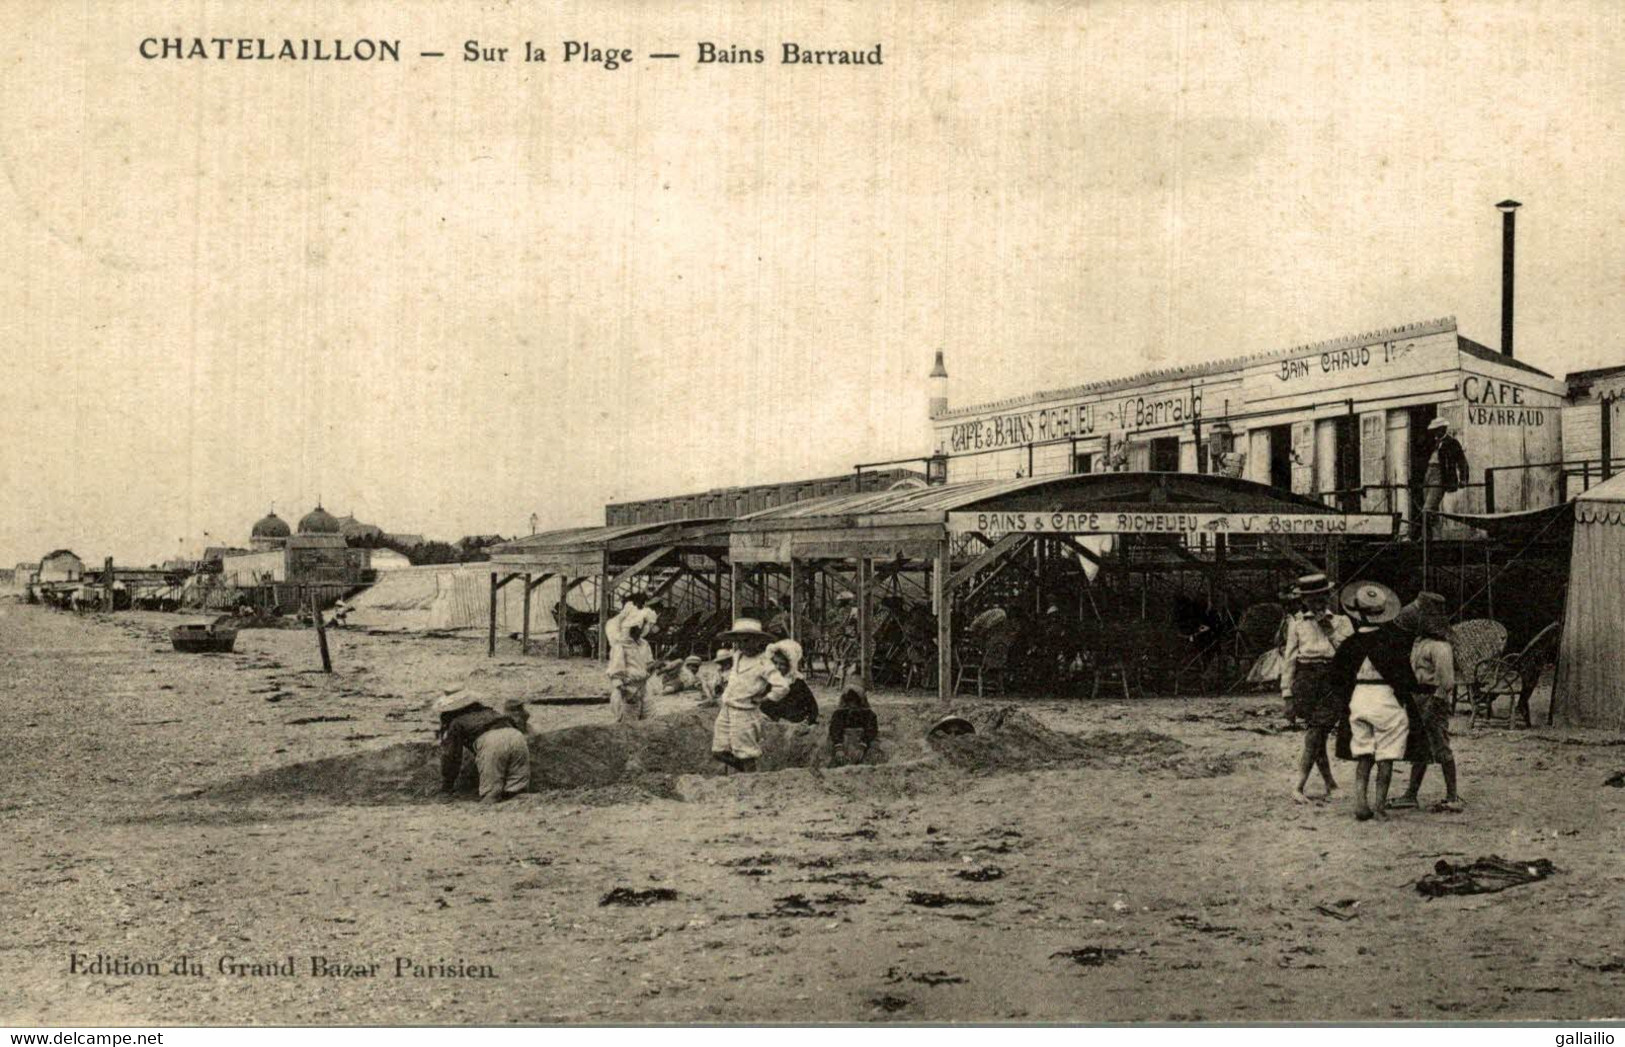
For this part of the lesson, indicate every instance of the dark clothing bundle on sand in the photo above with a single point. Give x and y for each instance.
(1484, 876)
(797, 706)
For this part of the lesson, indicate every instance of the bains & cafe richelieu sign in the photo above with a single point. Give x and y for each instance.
(1066, 421)
(998, 524)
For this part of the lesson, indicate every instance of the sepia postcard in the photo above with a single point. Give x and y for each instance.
(706, 513)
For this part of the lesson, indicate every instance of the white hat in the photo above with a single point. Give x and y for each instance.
(747, 627)
(791, 651)
(1438, 423)
(457, 700)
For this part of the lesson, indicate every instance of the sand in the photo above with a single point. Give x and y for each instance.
(1072, 861)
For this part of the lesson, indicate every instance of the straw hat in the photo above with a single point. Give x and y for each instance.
(845, 597)
(1438, 423)
(1370, 602)
(744, 627)
(1312, 584)
(693, 659)
(455, 702)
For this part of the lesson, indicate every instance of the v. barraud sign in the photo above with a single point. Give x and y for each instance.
(994, 524)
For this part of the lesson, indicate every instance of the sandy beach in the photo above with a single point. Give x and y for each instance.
(269, 839)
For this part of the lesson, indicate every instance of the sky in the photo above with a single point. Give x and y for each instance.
(445, 296)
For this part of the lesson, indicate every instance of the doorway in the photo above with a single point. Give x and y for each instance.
(1083, 462)
(1280, 439)
(1347, 473)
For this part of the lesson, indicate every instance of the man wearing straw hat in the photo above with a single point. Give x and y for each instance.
(495, 739)
(736, 740)
(1313, 636)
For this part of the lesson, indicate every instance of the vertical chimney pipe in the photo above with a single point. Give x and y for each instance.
(1509, 220)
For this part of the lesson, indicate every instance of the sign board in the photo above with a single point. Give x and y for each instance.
(997, 524)
(1169, 408)
(1416, 359)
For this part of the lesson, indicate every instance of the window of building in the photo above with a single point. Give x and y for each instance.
(1083, 462)
(1165, 454)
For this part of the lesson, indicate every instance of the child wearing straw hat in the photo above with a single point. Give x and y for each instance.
(495, 739)
(736, 739)
(1373, 680)
(1313, 636)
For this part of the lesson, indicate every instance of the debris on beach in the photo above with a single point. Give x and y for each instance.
(985, 875)
(1344, 909)
(635, 896)
(1089, 955)
(1483, 876)
(938, 900)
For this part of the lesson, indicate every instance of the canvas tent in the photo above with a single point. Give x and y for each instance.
(451, 596)
(1590, 687)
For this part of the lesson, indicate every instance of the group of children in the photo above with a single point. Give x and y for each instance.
(1377, 676)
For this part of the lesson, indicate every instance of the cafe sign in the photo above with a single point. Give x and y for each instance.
(998, 524)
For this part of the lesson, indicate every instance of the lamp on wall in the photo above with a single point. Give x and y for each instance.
(936, 469)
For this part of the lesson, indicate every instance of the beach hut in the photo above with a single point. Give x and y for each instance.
(1590, 686)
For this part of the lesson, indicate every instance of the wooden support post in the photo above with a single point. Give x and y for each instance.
(605, 596)
(735, 572)
(524, 634)
(562, 615)
(321, 632)
(107, 583)
(943, 597)
(491, 642)
(797, 597)
(865, 639)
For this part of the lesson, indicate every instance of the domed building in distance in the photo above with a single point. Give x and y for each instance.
(270, 532)
(294, 564)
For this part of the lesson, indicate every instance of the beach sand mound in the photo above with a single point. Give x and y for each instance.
(670, 756)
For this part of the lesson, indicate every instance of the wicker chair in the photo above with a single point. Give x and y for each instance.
(1474, 642)
(991, 668)
(1256, 632)
(1513, 675)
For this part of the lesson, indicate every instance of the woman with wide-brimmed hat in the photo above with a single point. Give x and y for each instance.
(1375, 684)
(1313, 636)
(495, 739)
(736, 739)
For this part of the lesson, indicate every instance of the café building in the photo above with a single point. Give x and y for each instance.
(1344, 420)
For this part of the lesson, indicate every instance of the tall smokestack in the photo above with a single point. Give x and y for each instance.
(1509, 218)
(939, 386)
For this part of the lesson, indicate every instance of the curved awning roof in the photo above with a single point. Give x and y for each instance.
(1129, 492)
(582, 549)
(911, 523)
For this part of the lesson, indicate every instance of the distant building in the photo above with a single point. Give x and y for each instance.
(409, 541)
(60, 566)
(25, 575)
(386, 560)
(316, 554)
(352, 528)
